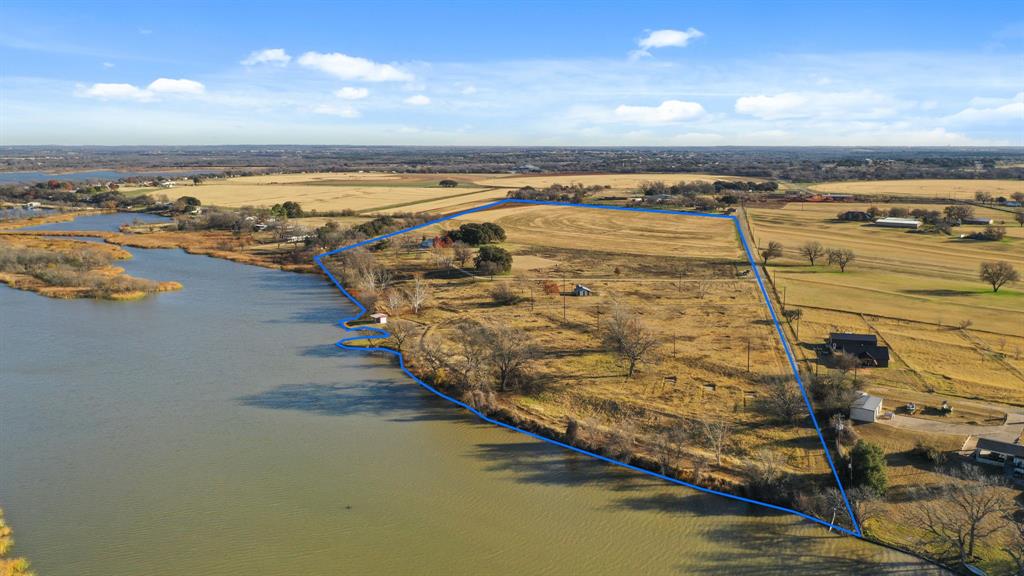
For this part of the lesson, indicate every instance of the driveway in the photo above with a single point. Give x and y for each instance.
(1008, 432)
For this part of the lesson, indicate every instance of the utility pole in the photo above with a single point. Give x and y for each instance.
(673, 346)
(748, 354)
(564, 297)
(784, 298)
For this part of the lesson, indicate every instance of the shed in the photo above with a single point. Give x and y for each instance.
(977, 221)
(898, 223)
(581, 290)
(866, 408)
(379, 318)
(855, 216)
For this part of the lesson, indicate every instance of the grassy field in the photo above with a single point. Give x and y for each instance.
(679, 275)
(953, 189)
(369, 193)
(914, 290)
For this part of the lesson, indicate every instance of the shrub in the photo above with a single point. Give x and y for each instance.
(930, 452)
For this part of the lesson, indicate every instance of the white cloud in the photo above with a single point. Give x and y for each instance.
(469, 90)
(179, 86)
(351, 93)
(273, 56)
(123, 91)
(108, 64)
(333, 110)
(664, 39)
(417, 100)
(667, 111)
(353, 67)
(993, 110)
(113, 91)
(850, 105)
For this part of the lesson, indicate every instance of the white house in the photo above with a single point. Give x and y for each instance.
(866, 408)
(1008, 456)
(379, 318)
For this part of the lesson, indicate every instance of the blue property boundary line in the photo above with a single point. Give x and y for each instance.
(378, 333)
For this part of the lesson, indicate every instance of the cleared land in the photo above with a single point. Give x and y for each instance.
(954, 189)
(362, 192)
(915, 291)
(680, 276)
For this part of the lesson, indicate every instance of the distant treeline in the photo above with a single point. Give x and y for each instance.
(801, 164)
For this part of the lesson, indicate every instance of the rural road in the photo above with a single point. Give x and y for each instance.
(1008, 432)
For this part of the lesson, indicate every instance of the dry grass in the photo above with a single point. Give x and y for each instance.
(99, 279)
(704, 340)
(955, 189)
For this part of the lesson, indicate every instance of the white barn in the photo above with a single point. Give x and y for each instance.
(866, 408)
(898, 223)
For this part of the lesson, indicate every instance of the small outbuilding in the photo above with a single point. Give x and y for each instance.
(977, 221)
(866, 408)
(855, 216)
(379, 318)
(581, 290)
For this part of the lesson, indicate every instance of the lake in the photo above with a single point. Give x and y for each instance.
(218, 431)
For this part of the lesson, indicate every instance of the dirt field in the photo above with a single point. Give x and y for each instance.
(678, 274)
(954, 189)
(914, 291)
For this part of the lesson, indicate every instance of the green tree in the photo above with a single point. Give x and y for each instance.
(869, 467)
(448, 183)
(499, 257)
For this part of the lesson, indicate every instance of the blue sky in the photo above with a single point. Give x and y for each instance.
(527, 73)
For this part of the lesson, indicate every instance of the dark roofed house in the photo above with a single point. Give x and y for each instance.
(1007, 455)
(581, 290)
(855, 216)
(863, 346)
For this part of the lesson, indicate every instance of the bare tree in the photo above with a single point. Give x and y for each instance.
(717, 433)
(841, 257)
(783, 400)
(669, 446)
(961, 514)
(506, 351)
(418, 294)
(462, 253)
(701, 287)
(400, 332)
(1019, 217)
(1015, 543)
(431, 354)
(812, 251)
(998, 273)
(504, 293)
(375, 280)
(630, 338)
(766, 471)
(774, 250)
(394, 300)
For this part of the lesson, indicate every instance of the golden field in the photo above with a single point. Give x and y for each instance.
(930, 188)
(914, 290)
(372, 192)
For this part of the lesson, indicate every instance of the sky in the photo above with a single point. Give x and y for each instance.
(525, 73)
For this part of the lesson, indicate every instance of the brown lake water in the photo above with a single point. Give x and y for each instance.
(217, 431)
